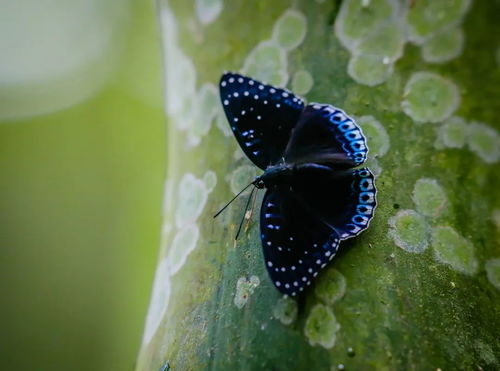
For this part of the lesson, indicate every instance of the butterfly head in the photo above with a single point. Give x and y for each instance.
(259, 183)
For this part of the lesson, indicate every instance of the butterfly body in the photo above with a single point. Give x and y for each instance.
(275, 175)
(314, 198)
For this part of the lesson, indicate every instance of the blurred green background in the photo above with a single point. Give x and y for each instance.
(82, 168)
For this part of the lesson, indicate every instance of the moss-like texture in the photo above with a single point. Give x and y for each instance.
(419, 289)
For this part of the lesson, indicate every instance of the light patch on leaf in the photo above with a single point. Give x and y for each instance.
(221, 122)
(495, 216)
(204, 110)
(302, 82)
(369, 70)
(321, 326)
(241, 176)
(159, 301)
(427, 18)
(331, 286)
(290, 29)
(452, 133)
(484, 141)
(410, 231)
(267, 62)
(454, 250)
(207, 11)
(244, 288)
(180, 73)
(192, 196)
(429, 197)
(373, 164)
(357, 20)
(210, 179)
(285, 310)
(374, 34)
(386, 43)
(376, 135)
(444, 46)
(492, 268)
(182, 245)
(429, 97)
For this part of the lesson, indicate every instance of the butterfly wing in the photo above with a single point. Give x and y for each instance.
(302, 223)
(296, 244)
(326, 135)
(261, 116)
(343, 199)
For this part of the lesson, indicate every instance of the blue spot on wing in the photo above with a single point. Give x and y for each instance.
(326, 135)
(296, 245)
(261, 116)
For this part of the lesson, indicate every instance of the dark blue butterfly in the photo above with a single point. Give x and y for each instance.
(314, 198)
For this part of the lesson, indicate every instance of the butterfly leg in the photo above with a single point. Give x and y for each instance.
(245, 212)
(250, 213)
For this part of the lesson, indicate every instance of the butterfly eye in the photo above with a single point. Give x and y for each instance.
(260, 184)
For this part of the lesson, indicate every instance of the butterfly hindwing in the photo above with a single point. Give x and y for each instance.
(343, 199)
(261, 116)
(326, 135)
(295, 243)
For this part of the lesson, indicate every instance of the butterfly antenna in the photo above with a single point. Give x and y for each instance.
(244, 213)
(234, 198)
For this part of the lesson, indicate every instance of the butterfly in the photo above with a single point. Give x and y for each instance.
(314, 198)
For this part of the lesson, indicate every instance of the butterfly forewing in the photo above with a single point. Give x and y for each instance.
(261, 116)
(326, 135)
(296, 245)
